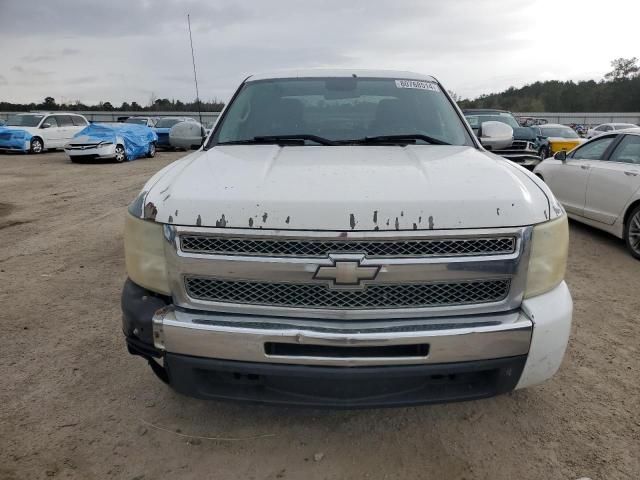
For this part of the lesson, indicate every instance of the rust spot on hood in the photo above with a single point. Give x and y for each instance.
(222, 222)
(250, 222)
(150, 211)
(431, 222)
(199, 221)
(264, 217)
(352, 221)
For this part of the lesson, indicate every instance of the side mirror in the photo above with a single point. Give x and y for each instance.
(46, 125)
(561, 155)
(495, 135)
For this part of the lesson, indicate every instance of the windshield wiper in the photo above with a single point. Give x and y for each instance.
(280, 140)
(408, 138)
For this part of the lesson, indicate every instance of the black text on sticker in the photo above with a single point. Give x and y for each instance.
(417, 84)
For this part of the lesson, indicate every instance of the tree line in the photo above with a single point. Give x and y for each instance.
(154, 105)
(619, 91)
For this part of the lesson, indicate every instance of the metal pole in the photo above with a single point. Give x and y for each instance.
(195, 75)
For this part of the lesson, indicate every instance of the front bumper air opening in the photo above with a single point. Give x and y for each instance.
(293, 350)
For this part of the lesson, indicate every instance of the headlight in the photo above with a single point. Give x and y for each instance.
(144, 254)
(104, 144)
(548, 257)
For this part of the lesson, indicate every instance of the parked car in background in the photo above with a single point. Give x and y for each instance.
(608, 127)
(558, 137)
(163, 126)
(531, 121)
(598, 183)
(117, 141)
(527, 149)
(360, 251)
(37, 132)
(187, 135)
(147, 121)
(208, 126)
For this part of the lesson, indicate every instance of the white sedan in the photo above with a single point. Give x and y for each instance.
(608, 127)
(598, 183)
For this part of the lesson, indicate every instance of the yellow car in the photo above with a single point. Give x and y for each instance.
(560, 137)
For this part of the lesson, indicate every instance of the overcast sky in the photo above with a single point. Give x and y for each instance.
(127, 50)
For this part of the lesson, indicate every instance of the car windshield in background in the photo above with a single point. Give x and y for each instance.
(559, 132)
(623, 126)
(167, 122)
(24, 121)
(341, 110)
(138, 121)
(476, 120)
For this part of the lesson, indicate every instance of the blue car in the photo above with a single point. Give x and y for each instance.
(164, 125)
(117, 141)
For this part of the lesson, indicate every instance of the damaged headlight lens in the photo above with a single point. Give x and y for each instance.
(548, 258)
(144, 254)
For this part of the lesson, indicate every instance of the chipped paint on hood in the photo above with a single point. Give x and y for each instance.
(417, 187)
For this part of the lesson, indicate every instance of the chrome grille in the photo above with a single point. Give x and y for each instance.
(519, 145)
(375, 296)
(446, 247)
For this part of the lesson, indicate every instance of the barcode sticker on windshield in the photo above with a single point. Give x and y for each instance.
(419, 84)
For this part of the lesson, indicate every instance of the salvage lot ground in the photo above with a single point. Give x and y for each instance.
(74, 404)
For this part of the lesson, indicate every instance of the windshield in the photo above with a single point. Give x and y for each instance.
(341, 109)
(138, 121)
(476, 120)
(24, 120)
(561, 132)
(623, 126)
(167, 122)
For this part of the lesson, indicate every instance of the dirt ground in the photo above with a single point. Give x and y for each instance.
(75, 404)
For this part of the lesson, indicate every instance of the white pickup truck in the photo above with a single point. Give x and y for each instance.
(343, 239)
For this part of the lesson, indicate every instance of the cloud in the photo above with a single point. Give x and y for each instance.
(116, 17)
(48, 55)
(82, 80)
(123, 50)
(28, 71)
(37, 58)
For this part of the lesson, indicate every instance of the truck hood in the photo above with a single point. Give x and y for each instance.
(417, 187)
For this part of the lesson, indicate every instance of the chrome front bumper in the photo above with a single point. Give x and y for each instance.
(246, 338)
(105, 152)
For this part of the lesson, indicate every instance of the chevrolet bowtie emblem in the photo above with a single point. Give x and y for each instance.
(346, 273)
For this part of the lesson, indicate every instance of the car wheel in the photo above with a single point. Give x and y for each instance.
(632, 232)
(36, 145)
(121, 156)
(544, 153)
(152, 150)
